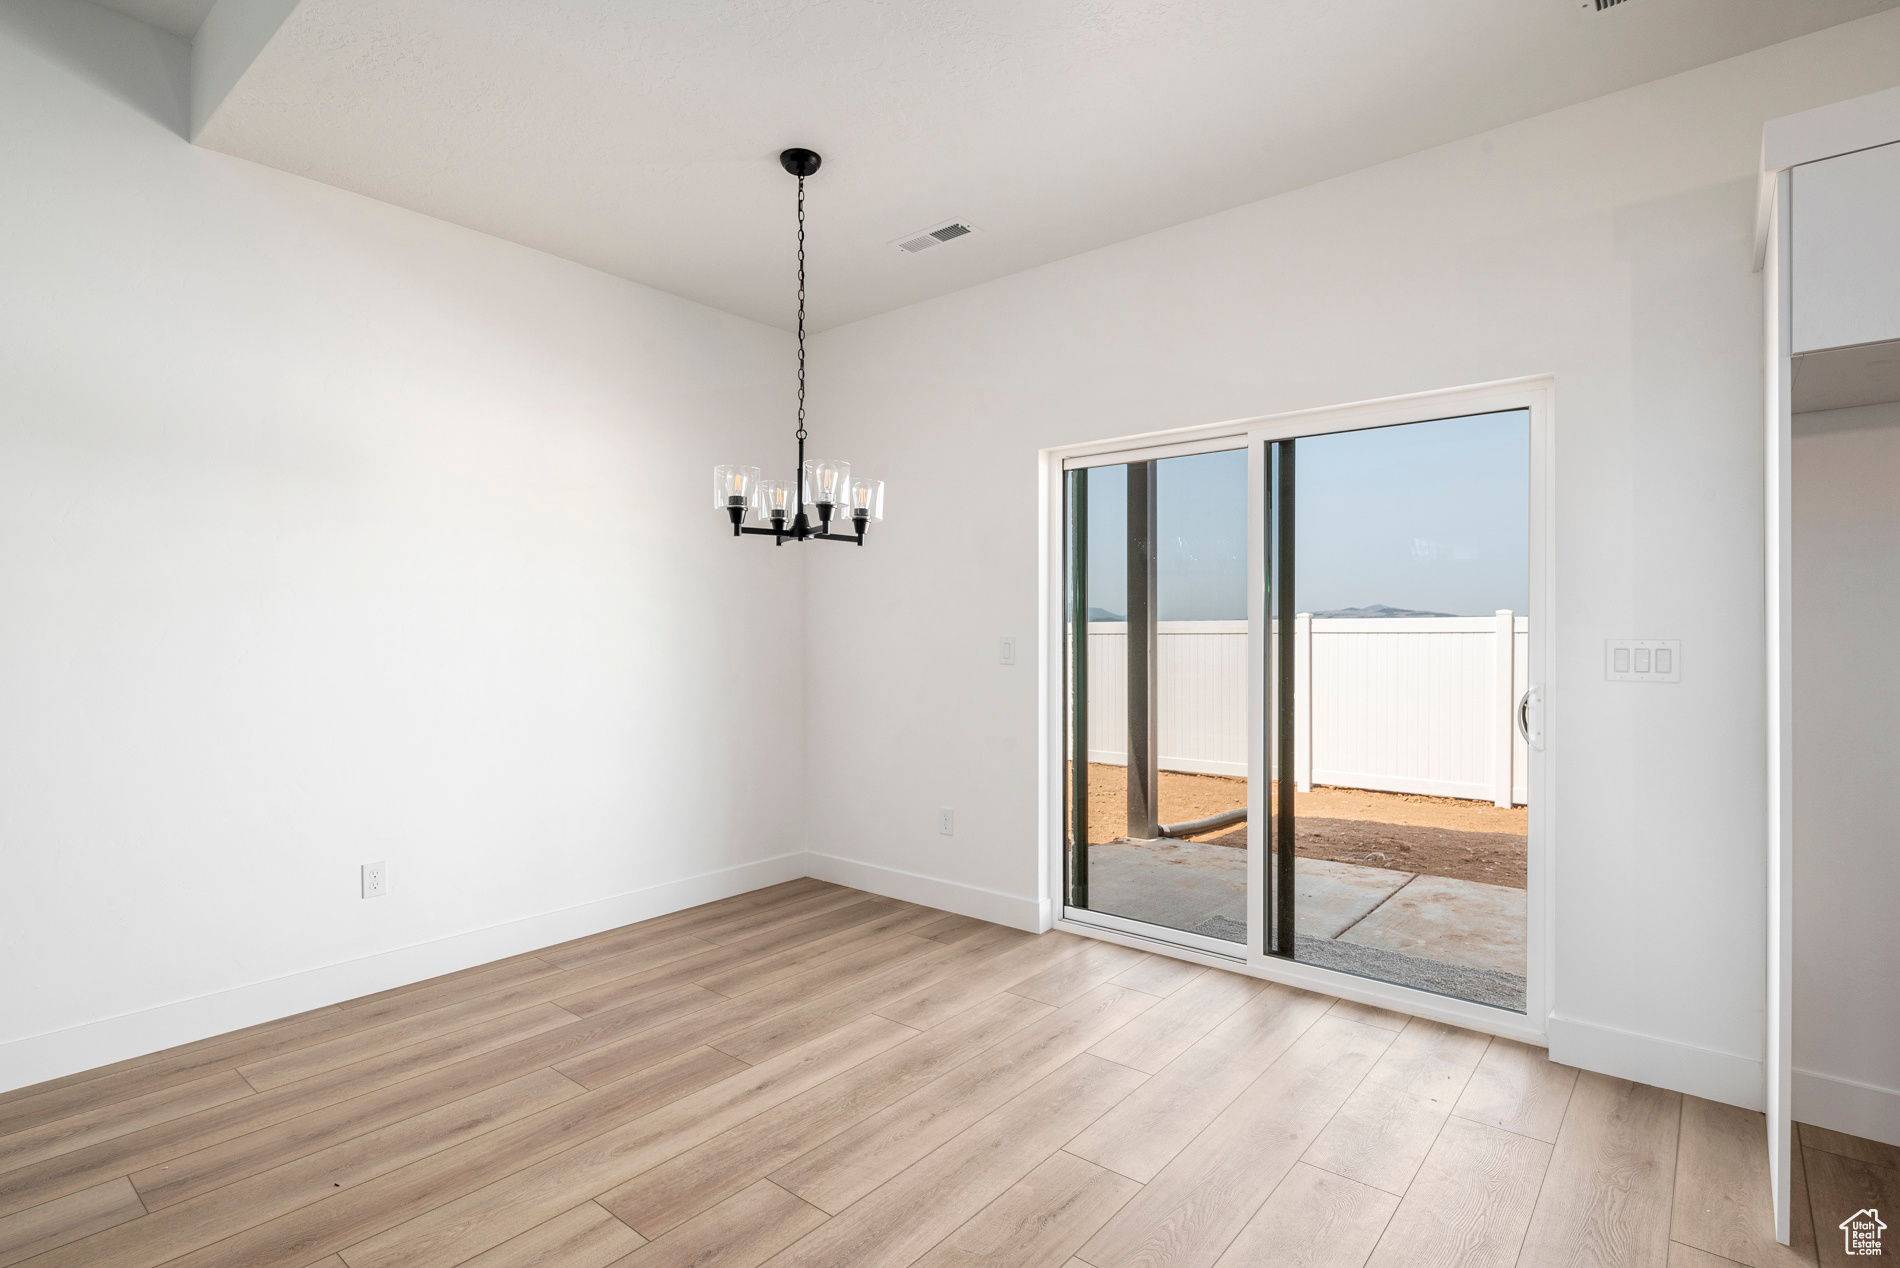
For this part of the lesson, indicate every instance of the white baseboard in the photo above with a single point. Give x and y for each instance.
(931, 891)
(85, 1047)
(1665, 1063)
(1843, 1105)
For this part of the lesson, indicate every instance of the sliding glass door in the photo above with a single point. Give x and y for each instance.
(1380, 696)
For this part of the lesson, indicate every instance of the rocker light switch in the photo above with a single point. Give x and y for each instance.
(1643, 660)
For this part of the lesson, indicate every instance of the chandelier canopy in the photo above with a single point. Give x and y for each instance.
(821, 483)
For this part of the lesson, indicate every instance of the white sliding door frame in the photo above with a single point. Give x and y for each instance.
(1534, 394)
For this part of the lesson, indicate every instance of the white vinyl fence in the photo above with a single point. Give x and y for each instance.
(1417, 705)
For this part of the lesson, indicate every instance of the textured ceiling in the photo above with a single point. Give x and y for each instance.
(180, 17)
(640, 137)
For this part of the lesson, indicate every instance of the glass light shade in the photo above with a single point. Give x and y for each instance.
(867, 499)
(732, 486)
(826, 481)
(774, 497)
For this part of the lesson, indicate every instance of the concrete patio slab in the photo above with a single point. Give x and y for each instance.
(1330, 897)
(1175, 884)
(1453, 922)
(1185, 884)
(1460, 981)
(1391, 925)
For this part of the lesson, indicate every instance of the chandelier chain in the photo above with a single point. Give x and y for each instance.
(792, 509)
(801, 309)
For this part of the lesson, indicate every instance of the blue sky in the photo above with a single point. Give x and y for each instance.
(1431, 516)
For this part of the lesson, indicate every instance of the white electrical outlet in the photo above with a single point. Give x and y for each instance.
(1008, 655)
(375, 880)
(1643, 660)
(946, 821)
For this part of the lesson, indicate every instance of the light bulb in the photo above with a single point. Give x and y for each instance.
(774, 498)
(826, 481)
(867, 499)
(732, 486)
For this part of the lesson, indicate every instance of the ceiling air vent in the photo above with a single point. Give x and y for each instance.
(925, 239)
(1596, 6)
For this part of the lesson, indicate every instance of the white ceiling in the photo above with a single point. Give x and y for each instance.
(180, 17)
(640, 138)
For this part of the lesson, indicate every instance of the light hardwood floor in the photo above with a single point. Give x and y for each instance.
(813, 1076)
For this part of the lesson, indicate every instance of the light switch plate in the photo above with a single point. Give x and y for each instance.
(1643, 660)
(1007, 653)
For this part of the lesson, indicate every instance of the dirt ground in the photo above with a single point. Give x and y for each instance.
(1435, 836)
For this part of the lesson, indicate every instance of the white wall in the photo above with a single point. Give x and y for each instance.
(1846, 758)
(332, 533)
(1609, 244)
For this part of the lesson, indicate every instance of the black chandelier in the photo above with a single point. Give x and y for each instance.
(820, 483)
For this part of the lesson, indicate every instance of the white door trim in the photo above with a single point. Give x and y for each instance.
(1778, 1094)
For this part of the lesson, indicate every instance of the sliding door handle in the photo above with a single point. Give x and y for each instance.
(1531, 730)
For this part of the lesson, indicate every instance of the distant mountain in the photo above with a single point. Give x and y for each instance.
(1103, 614)
(1375, 611)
